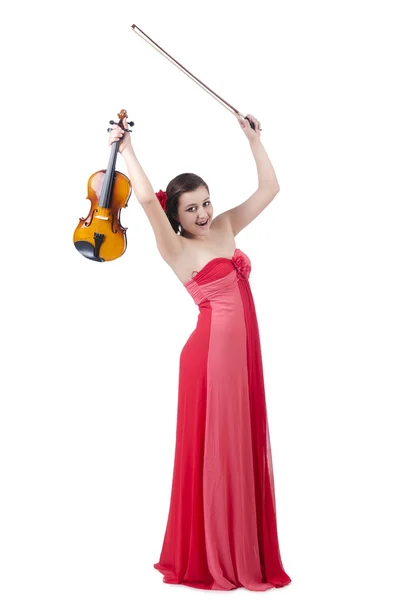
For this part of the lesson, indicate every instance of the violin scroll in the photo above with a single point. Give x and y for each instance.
(121, 115)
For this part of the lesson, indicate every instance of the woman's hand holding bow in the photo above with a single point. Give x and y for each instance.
(251, 134)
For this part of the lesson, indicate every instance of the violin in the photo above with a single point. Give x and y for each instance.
(100, 236)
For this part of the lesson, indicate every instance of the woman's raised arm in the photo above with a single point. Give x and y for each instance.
(141, 185)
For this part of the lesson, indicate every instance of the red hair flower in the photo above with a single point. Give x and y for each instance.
(162, 198)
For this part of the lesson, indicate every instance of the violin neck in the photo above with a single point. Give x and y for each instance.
(106, 192)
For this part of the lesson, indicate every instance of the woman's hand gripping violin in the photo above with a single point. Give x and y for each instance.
(100, 236)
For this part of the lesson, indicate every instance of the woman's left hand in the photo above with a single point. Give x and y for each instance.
(251, 134)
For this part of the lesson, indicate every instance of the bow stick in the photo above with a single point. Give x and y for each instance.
(161, 50)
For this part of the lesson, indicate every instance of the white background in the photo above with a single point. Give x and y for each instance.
(90, 352)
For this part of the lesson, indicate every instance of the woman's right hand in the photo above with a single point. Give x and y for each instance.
(123, 136)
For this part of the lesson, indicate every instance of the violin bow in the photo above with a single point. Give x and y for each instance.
(152, 43)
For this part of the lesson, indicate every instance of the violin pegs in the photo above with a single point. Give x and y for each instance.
(111, 122)
(109, 129)
(131, 123)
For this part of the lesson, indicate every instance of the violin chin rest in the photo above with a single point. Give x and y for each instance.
(88, 250)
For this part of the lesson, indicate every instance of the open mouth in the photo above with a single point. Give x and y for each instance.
(203, 224)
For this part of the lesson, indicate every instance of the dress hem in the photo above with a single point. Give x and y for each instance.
(170, 578)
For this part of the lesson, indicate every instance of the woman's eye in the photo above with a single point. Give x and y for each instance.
(192, 207)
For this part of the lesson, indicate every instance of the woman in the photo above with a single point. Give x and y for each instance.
(221, 531)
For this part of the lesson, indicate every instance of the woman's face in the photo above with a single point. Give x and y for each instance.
(195, 207)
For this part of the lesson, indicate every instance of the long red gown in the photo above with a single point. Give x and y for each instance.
(221, 531)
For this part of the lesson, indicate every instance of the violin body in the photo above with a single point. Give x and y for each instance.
(100, 236)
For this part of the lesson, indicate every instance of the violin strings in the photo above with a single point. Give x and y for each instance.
(107, 182)
(175, 62)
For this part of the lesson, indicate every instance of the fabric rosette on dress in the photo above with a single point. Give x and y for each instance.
(242, 264)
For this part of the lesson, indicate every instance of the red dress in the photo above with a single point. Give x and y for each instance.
(221, 532)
